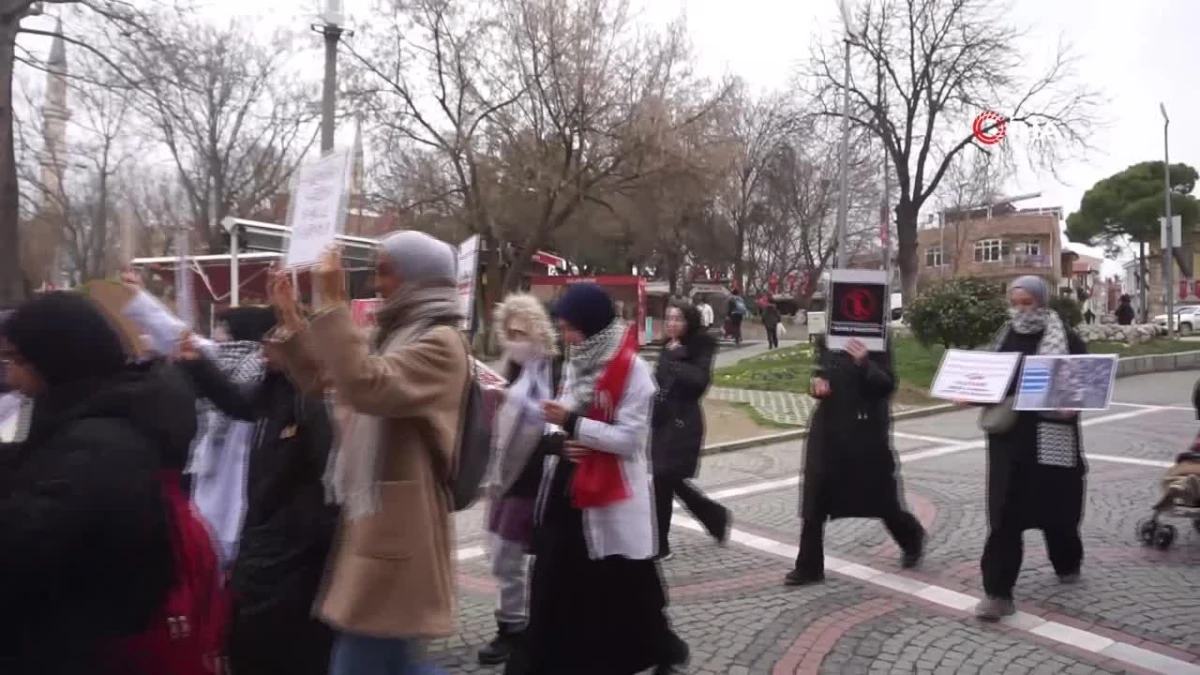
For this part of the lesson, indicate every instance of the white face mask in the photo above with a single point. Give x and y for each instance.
(520, 351)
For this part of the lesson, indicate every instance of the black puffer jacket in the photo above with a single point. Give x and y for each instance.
(83, 526)
(683, 375)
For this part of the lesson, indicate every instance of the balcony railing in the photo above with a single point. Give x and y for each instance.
(1027, 261)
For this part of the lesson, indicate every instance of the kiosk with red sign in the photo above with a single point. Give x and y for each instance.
(628, 291)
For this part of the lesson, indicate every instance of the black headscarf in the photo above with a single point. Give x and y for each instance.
(248, 324)
(65, 338)
(588, 308)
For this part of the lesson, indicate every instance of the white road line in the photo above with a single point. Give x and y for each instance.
(1138, 461)
(1184, 408)
(1081, 639)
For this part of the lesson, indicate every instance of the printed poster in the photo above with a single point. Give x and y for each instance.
(858, 308)
(974, 377)
(1068, 382)
(468, 267)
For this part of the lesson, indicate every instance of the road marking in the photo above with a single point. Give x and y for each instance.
(1155, 407)
(1052, 630)
(1137, 461)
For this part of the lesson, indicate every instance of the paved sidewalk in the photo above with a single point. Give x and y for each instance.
(780, 407)
(1137, 610)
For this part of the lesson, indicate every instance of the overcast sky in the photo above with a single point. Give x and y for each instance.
(1138, 54)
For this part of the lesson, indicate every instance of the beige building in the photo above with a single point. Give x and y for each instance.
(999, 242)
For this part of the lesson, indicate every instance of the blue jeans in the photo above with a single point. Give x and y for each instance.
(362, 655)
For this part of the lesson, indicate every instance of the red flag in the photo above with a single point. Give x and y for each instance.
(599, 480)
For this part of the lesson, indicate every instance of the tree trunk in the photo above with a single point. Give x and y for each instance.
(14, 287)
(906, 249)
(739, 261)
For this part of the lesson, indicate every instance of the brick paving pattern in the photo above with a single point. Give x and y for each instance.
(1136, 610)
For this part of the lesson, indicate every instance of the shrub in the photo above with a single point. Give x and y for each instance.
(1068, 310)
(962, 313)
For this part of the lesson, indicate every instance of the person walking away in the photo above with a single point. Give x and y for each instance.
(850, 469)
(683, 373)
(597, 604)
(83, 520)
(1036, 468)
(390, 582)
(219, 460)
(1089, 316)
(771, 320)
(706, 314)
(533, 367)
(288, 527)
(737, 313)
(1125, 313)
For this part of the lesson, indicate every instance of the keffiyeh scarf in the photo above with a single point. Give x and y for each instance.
(1054, 333)
(243, 364)
(587, 360)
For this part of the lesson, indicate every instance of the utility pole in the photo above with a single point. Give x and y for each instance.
(843, 209)
(1168, 226)
(331, 28)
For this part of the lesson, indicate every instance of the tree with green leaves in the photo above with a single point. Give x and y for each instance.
(1128, 205)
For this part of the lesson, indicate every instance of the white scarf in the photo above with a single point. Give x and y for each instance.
(1054, 333)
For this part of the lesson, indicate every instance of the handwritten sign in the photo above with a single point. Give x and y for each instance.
(317, 210)
(468, 266)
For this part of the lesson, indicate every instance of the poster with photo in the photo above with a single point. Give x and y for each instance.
(1068, 382)
(858, 309)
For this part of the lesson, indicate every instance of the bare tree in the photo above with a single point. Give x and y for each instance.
(224, 102)
(74, 181)
(13, 283)
(943, 62)
(596, 96)
(798, 193)
(973, 181)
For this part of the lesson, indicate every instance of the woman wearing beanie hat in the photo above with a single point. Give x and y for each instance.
(82, 516)
(597, 604)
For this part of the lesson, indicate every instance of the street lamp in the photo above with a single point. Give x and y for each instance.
(843, 208)
(1168, 226)
(331, 28)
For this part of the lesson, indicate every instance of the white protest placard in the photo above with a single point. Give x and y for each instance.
(468, 266)
(974, 377)
(317, 209)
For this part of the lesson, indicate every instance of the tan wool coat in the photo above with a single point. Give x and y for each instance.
(391, 574)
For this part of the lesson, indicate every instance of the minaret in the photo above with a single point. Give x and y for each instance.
(55, 116)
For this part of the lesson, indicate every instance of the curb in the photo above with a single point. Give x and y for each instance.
(802, 433)
(1126, 367)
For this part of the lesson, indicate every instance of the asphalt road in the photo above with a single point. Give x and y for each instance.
(1136, 609)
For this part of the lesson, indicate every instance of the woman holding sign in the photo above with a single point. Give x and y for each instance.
(1035, 461)
(850, 470)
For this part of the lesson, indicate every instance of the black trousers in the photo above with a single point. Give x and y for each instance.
(296, 645)
(810, 561)
(735, 322)
(711, 514)
(772, 337)
(1004, 551)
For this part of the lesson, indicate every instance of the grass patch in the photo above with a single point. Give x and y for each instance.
(790, 369)
(752, 412)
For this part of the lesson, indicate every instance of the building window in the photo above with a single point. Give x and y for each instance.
(933, 256)
(989, 250)
(1031, 247)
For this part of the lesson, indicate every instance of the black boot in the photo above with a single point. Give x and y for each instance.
(501, 647)
(678, 655)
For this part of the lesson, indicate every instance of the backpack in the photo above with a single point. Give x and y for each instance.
(474, 443)
(187, 635)
(739, 306)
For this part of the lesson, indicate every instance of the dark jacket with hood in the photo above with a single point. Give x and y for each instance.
(683, 375)
(82, 520)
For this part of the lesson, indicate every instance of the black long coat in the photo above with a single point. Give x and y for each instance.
(683, 375)
(849, 465)
(288, 528)
(1022, 492)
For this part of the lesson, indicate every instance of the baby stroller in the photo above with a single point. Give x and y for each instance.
(1181, 494)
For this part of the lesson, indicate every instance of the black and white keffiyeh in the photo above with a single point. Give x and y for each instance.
(587, 360)
(1029, 321)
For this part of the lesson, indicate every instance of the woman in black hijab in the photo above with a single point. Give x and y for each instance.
(683, 373)
(83, 522)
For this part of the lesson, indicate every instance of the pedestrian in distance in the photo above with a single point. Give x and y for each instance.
(1036, 468)
(850, 467)
(390, 582)
(736, 311)
(771, 320)
(683, 373)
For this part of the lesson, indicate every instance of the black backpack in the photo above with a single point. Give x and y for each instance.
(474, 443)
